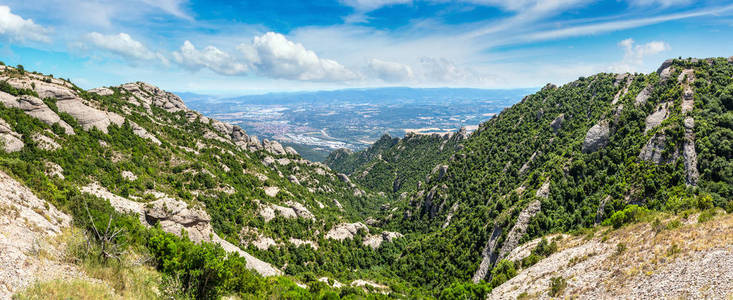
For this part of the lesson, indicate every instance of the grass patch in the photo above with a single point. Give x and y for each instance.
(63, 289)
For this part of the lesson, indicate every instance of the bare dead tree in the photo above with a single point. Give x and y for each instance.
(106, 238)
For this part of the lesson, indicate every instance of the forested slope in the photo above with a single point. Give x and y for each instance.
(394, 165)
(571, 157)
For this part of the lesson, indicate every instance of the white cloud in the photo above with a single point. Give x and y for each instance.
(390, 71)
(173, 7)
(20, 29)
(370, 5)
(610, 26)
(634, 54)
(443, 70)
(210, 57)
(273, 55)
(662, 3)
(362, 7)
(122, 44)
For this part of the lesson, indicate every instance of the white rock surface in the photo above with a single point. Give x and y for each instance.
(25, 222)
(376, 240)
(34, 107)
(596, 137)
(299, 242)
(345, 231)
(44, 142)
(128, 175)
(11, 140)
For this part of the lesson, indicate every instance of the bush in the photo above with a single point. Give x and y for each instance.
(557, 286)
(632, 213)
(503, 271)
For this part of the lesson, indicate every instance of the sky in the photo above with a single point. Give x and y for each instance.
(251, 47)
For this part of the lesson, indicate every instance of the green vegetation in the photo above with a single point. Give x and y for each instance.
(449, 196)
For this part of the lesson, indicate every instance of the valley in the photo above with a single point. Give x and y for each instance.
(613, 185)
(316, 123)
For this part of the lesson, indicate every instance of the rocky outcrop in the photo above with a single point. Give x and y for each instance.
(556, 124)
(299, 242)
(626, 79)
(437, 173)
(68, 101)
(689, 153)
(10, 140)
(596, 137)
(34, 107)
(653, 149)
(375, 240)
(44, 142)
(291, 211)
(102, 91)
(176, 216)
(53, 170)
(694, 261)
(488, 255)
(344, 231)
(658, 116)
(520, 227)
(141, 132)
(643, 95)
(25, 223)
(120, 204)
(148, 95)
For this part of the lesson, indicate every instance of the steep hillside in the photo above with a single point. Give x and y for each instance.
(393, 165)
(137, 196)
(571, 157)
(135, 156)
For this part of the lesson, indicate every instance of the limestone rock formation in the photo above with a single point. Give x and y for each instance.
(596, 137)
(11, 140)
(35, 108)
(345, 231)
(658, 116)
(376, 240)
(643, 95)
(556, 124)
(25, 221)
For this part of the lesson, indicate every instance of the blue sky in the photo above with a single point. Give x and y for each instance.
(244, 47)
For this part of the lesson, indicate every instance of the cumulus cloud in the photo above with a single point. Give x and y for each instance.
(210, 58)
(390, 71)
(273, 55)
(123, 45)
(634, 54)
(17, 28)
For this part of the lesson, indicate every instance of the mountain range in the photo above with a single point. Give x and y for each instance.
(610, 186)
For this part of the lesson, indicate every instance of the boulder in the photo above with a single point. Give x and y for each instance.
(596, 137)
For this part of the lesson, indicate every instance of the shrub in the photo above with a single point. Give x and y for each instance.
(557, 286)
(632, 213)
